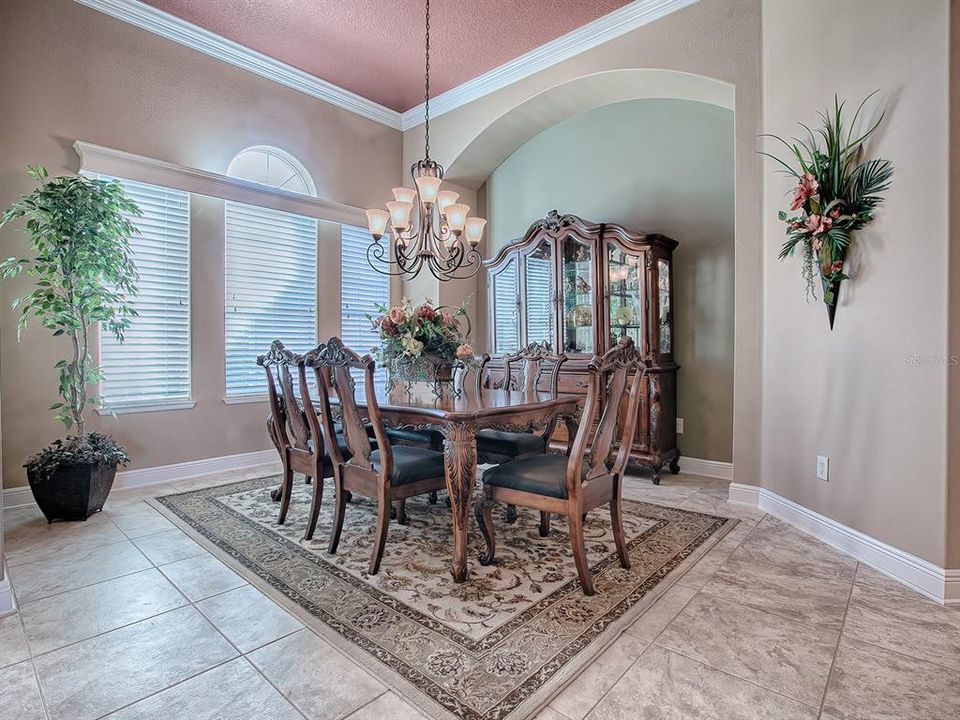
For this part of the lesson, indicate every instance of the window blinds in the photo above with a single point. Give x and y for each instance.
(540, 310)
(361, 289)
(270, 290)
(152, 365)
(506, 319)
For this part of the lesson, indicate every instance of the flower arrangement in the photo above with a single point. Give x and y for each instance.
(417, 341)
(836, 194)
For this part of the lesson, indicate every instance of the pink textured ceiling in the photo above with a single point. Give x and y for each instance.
(375, 47)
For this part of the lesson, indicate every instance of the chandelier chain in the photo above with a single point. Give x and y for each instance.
(426, 92)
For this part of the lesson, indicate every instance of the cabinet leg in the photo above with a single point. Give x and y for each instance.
(656, 477)
(675, 463)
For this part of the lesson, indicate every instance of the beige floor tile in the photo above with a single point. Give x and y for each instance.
(785, 656)
(127, 498)
(13, 645)
(35, 539)
(548, 713)
(75, 567)
(60, 620)
(777, 543)
(871, 683)
(663, 685)
(168, 546)
(20, 694)
(698, 575)
(582, 694)
(321, 682)
(886, 613)
(201, 577)
(388, 706)
(733, 539)
(714, 502)
(103, 674)
(139, 519)
(247, 618)
(659, 615)
(815, 600)
(232, 691)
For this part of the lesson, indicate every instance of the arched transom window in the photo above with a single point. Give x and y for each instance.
(272, 167)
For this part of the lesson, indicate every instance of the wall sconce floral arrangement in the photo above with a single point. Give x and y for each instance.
(837, 193)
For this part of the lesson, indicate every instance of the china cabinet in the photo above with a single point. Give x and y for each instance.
(579, 287)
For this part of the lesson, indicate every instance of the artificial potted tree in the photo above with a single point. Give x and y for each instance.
(84, 275)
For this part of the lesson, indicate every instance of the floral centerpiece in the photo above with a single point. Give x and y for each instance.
(422, 343)
(836, 194)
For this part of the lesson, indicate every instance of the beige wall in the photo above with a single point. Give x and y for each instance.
(953, 344)
(866, 394)
(659, 166)
(70, 73)
(717, 39)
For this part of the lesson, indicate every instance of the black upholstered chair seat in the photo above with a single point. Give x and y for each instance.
(508, 444)
(411, 464)
(429, 438)
(540, 474)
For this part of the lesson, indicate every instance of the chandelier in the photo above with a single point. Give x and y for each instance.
(426, 226)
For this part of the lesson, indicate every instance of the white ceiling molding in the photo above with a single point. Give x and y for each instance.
(173, 28)
(603, 29)
(117, 163)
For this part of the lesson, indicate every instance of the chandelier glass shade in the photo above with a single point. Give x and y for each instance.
(426, 226)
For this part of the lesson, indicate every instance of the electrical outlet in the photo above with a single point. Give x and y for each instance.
(823, 468)
(679, 426)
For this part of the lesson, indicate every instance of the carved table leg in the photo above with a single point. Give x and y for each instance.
(460, 460)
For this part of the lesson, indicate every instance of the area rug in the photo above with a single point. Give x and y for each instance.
(497, 647)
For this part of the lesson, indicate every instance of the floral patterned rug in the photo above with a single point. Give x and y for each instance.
(496, 647)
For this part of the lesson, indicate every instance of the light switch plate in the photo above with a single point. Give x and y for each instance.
(679, 426)
(823, 468)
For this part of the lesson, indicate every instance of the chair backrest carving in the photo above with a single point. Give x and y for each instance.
(620, 370)
(332, 363)
(290, 422)
(525, 370)
(481, 375)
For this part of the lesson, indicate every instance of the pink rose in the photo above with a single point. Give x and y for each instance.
(464, 351)
(389, 327)
(836, 267)
(806, 188)
(818, 224)
(396, 315)
(426, 312)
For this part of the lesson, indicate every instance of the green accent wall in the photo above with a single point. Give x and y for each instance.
(662, 166)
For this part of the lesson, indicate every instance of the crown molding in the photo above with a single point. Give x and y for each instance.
(603, 29)
(192, 36)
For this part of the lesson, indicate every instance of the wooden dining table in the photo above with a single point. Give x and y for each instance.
(459, 417)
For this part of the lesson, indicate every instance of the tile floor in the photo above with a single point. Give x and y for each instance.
(126, 617)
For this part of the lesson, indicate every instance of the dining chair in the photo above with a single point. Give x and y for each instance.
(386, 474)
(522, 372)
(289, 428)
(586, 479)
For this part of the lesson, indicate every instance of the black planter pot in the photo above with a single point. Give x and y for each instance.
(73, 492)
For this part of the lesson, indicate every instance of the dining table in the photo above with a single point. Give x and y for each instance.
(459, 416)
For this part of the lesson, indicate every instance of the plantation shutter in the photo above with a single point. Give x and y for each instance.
(152, 365)
(270, 294)
(361, 289)
(539, 300)
(506, 319)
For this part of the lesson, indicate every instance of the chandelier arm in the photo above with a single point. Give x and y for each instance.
(381, 259)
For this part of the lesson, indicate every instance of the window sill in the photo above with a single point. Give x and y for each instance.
(244, 399)
(148, 407)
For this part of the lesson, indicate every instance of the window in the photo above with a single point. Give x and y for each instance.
(361, 289)
(152, 365)
(270, 268)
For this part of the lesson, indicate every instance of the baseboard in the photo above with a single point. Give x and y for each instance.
(926, 578)
(8, 603)
(17, 497)
(707, 468)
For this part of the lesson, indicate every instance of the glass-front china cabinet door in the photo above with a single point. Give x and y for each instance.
(540, 296)
(664, 309)
(576, 272)
(505, 296)
(625, 293)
